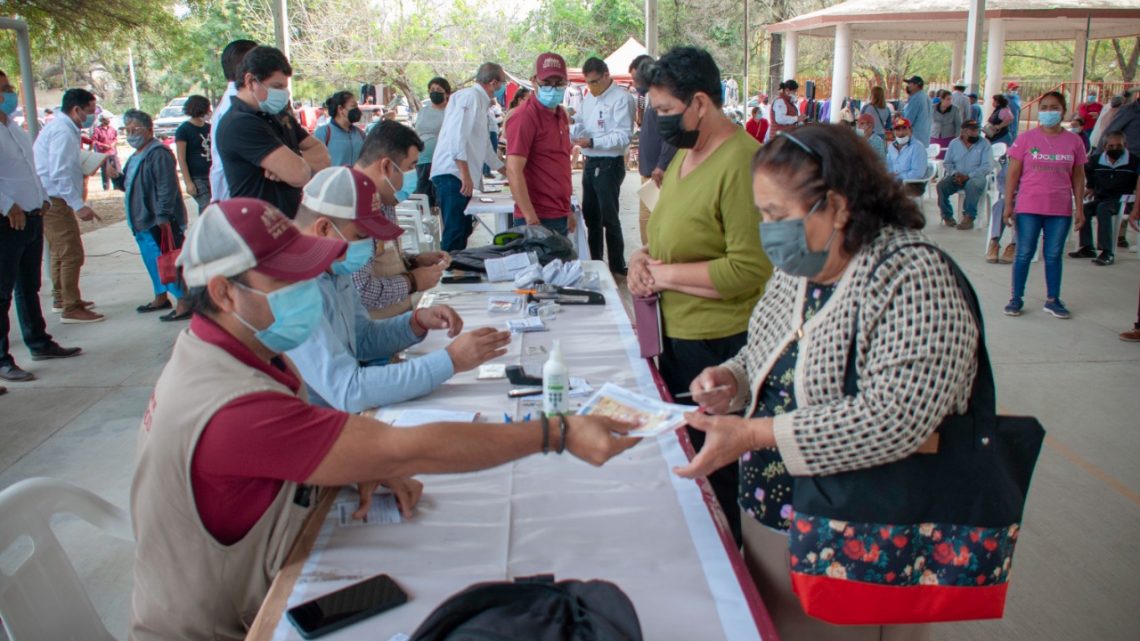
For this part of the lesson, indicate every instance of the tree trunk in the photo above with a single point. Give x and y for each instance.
(775, 62)
(1127, 69)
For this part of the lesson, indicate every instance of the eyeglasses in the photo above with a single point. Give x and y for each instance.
(799, 143)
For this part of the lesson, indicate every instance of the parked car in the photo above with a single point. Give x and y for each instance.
(168, 120)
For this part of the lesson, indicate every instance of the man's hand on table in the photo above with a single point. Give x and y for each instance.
(427, 277)
(406, 490)
(596, 439)
(430, 259)
(477, 347)
(440, 317)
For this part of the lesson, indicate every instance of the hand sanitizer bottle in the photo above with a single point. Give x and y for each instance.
(555, 382)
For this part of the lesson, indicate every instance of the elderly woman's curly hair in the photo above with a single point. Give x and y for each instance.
(817, 159)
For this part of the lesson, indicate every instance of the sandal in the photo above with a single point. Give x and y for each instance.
(151, 307)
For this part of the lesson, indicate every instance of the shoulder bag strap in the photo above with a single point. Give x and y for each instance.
(983, 398)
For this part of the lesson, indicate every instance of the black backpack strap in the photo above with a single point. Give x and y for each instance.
(983, 397)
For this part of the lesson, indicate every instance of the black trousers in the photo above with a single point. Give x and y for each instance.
(21, 263)
(601, 188)
(424, 185)
(1102, 211)
(680, 363)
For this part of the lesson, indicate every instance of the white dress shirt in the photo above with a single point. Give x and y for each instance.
(463, 136)
(19, 184)
(219, 190)
(57, 161)
(608, 120)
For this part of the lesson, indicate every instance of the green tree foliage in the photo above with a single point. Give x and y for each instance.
(578, 29)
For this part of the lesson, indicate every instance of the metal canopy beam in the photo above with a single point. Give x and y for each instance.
(24, 48)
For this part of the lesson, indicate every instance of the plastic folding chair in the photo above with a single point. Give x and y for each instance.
(41, 595)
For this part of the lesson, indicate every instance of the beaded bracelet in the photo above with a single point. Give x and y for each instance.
(562, 424)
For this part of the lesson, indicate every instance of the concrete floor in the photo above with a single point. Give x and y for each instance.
(1077, 568)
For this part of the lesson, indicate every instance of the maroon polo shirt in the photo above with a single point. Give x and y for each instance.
(542, 136)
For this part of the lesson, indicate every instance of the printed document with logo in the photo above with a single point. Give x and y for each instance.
(652, 416)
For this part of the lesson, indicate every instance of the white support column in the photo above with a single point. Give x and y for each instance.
(134, 81)
(995, 58)
(974, 44)
(1080, 50)
(840, 70)
(956, 60)
(791, 54)
(651, 27)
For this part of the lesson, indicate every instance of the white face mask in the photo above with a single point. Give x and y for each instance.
(902, 140)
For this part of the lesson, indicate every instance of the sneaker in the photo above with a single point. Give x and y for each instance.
(57, 307)
(80, 316)
(1132, 336)
(1009, 254)
(1056, 308)
(949, 222)
(1083, 252)
(966, 224)
(1104, 259)
(1014, 307)
(992, 252)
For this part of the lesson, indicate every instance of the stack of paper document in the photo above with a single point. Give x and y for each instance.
(413, 417)
(652, 416)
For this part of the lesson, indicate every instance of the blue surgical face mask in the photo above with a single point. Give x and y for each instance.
(297, 310)
(1049, 118)
(785, 242)
(88, 122)
(551, 97)
(136, 140)
(9, 103)
(355, 257)
(411, 181)
(275, 100)
(501, 91)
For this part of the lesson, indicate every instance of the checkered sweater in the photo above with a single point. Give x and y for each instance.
(916, 355)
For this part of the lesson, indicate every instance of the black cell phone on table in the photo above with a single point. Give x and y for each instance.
(458, 277)
(346, 606)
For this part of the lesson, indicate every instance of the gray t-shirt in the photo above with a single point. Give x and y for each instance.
(428, 124)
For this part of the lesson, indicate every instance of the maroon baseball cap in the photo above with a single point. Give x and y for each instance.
(236, 235)
(549, 65)
(348, 194)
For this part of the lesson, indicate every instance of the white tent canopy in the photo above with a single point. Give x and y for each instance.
(948, 21)
(619, 61)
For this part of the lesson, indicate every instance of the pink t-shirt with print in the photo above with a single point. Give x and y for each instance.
(1047, 163)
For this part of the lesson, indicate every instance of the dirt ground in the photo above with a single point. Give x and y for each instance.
(107, 203)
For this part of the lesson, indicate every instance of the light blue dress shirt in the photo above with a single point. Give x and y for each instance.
(908, 163)
(917, 111)
(330, 360)
(975, 162)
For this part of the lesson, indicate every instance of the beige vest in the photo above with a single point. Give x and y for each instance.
(390, 262)
(187, 585)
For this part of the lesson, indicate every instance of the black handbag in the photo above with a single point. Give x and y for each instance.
(927, 538)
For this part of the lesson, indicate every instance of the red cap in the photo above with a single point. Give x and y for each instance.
(901, 122)
(1013, 85)
(236, 235)
(549, 65)
(348, 194)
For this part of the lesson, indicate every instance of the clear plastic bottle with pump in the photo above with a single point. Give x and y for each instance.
(555, 382)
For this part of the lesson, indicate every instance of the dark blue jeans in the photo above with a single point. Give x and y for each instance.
(1029, 227)
(559, 225)
(457, 225)
(21, 263)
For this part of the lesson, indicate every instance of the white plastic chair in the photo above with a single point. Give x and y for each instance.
(41, 596)
(1126, 204)
(932, 151)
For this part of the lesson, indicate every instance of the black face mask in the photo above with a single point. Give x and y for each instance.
(674, 133)
(436, 97)
(1114, 154)
(973, 139)
(355, 114)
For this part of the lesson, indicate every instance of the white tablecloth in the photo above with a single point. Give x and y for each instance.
(503, 208)
(631, 521)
